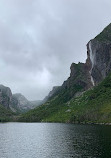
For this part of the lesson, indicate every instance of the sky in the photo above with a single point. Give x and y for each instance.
(39, 39)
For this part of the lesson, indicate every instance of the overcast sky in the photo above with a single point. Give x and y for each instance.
(39, 39)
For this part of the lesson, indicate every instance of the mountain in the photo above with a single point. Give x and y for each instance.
(85, 95)
(20, 104)
(93, 106)
(10, 104)
(79, 81)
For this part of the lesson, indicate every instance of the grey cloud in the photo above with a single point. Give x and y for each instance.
(39, 39)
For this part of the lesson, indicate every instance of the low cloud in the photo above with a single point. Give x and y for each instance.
(39, 40)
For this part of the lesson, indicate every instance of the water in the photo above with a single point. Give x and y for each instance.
(51, 140)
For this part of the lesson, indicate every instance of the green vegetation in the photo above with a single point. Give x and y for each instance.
(53, 106)
(93, 106)
(105, 35)
(5, 114)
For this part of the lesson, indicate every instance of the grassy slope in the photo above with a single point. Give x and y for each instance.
(105, 35)
(5, 114)
(93, 106)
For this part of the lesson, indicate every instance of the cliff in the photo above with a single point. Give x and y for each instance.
(99, 55)
(79, 77)
(5, 96)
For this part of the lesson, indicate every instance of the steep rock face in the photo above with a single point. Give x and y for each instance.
(79, 79)
(99, 55)
(5, 96)
(79, 75)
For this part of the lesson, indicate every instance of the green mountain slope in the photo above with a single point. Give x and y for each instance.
(92, 106)
(5, 114)
(105, 35)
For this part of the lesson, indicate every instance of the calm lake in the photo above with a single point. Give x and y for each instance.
(54, 140)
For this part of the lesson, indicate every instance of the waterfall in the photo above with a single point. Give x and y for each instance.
(92, 61)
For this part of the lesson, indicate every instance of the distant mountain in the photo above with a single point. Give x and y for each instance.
(20, 104)
(14, 103)
(86, 95)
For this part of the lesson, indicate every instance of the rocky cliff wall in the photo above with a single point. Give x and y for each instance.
(5, 96)
(99, 54)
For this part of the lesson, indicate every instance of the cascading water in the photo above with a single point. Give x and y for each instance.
(92, 61)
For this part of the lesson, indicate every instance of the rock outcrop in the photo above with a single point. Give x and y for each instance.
(79, 76)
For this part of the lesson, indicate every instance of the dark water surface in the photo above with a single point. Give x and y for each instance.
(51, 140)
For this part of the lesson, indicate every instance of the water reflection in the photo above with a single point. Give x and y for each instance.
(51, 140)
